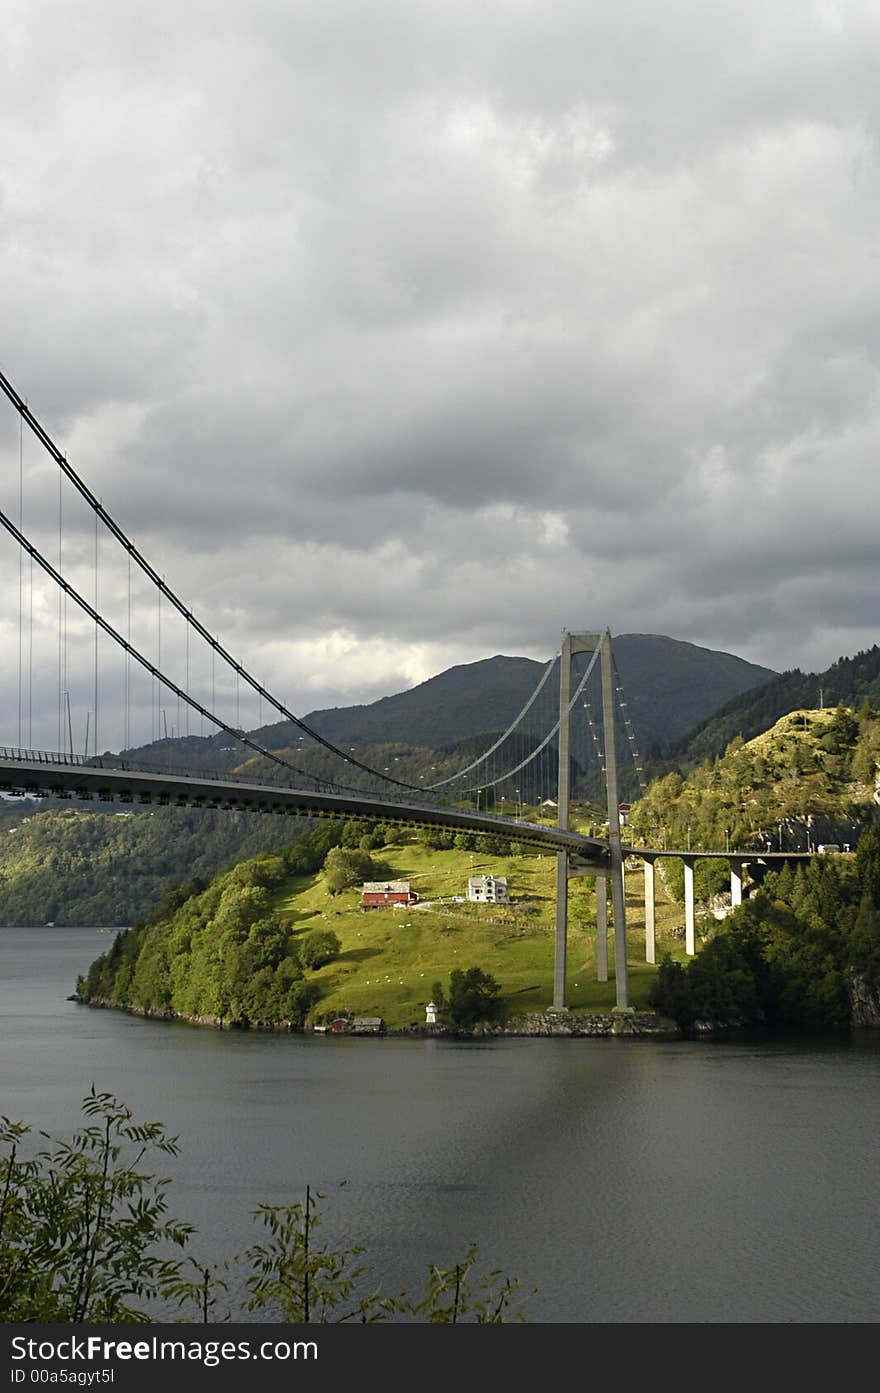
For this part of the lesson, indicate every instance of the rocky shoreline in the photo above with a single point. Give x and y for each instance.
(537, 1024)
(532, 1025)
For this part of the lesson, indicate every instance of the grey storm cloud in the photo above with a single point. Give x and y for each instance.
(402, 334)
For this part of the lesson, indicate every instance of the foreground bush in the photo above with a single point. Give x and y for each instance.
(85, 1236)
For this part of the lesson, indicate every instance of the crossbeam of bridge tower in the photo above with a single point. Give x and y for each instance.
(573, 644)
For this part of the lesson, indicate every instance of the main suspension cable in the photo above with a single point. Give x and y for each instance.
(125, 541)
(67, 589)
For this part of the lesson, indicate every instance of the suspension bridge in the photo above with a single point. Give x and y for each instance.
(103, 648)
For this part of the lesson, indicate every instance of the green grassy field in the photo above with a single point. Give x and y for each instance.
(391, 958)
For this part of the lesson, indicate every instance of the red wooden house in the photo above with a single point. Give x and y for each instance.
(380, 894)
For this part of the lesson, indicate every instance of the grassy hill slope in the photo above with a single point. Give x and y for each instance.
(814, 772)
(203, 956)
(391, 958)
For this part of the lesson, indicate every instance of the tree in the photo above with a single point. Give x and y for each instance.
(670, 994)
(474, 996)
(296, 1280)
(868, 864)
(864, 941)
(450, 1296)
(347, 866)
(319, 947)
(83, 1230)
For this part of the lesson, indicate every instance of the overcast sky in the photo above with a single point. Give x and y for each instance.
(403, 334)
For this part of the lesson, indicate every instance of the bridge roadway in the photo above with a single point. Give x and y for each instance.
(41, 773)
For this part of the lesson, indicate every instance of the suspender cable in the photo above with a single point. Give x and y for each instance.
(60, 613)
(128, 667)
(95, 732)
(31, 660)
(630, 733)
(20, 569)
(508, 774)
(137, 556)
(510, 729)
(186, 627)
(158, 664)
(139, 657)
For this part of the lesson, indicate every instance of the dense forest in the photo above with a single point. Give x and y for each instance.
(220, 951)
(73, 866)
(802, 953)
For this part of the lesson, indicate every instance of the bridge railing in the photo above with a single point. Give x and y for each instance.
(116, 764)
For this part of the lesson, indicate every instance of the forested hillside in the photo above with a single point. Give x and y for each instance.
(69, 866)
(812, 769)
(216, 951)
(849, 680)
(803, 953)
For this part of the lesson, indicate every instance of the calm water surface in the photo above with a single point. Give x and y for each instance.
(626, 1180)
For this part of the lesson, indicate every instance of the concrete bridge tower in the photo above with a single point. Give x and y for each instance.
(573, 644)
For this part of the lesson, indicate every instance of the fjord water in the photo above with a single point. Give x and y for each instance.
(625, 1180)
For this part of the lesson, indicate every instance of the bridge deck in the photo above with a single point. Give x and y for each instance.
(35, 772)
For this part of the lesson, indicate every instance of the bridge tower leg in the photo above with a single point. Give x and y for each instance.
(563, 810)
(571, 645)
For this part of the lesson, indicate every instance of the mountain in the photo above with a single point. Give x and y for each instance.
(849, 680)
(669, 685)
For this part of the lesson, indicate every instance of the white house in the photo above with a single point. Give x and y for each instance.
(488, 889)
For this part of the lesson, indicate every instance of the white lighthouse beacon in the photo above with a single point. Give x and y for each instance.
(430, 1014)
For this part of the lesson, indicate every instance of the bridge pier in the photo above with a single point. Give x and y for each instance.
(560, 963)
(650, 919)
(736, 881)
(601, 928)
(690, 923)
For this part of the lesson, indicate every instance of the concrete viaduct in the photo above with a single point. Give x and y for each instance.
(737, 860)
